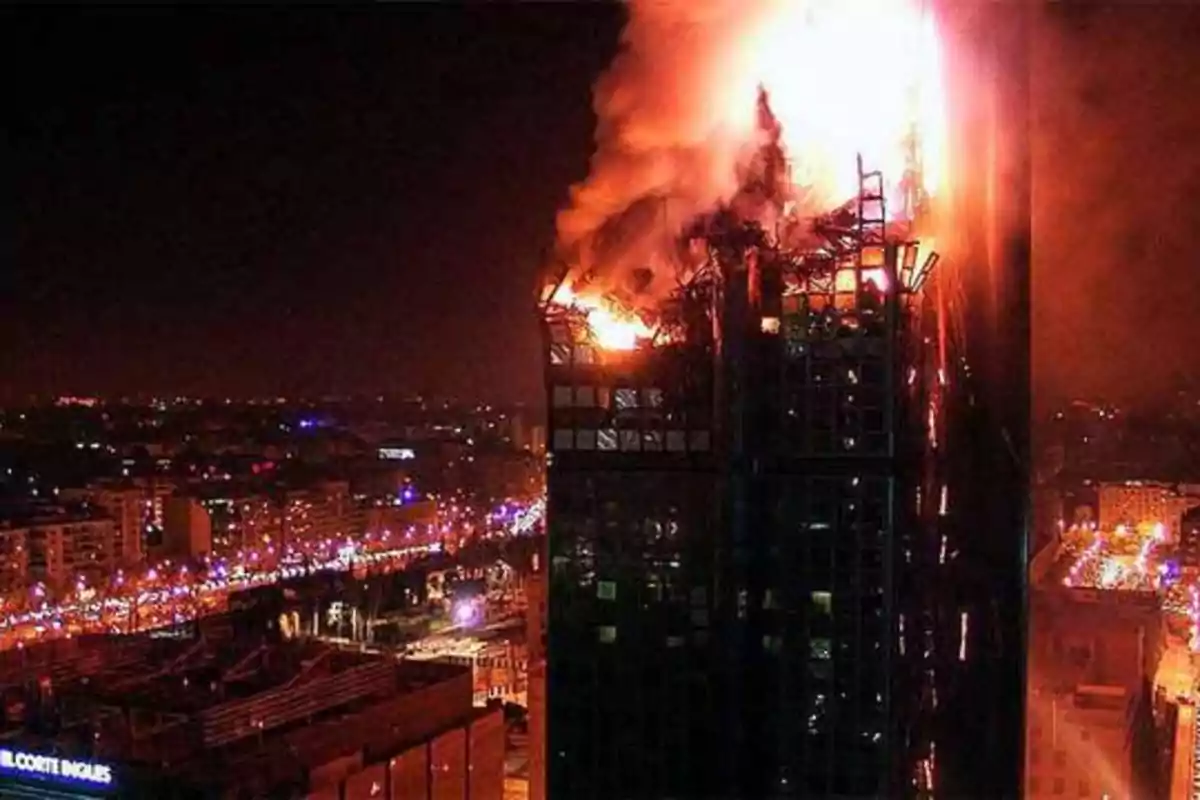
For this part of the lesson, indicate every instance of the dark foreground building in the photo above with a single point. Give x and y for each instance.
(786, 537)
(224, 716)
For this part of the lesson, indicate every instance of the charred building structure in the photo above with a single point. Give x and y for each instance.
(766, 572)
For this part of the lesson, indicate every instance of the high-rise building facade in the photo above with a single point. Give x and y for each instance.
(786, 530)
(734, 524)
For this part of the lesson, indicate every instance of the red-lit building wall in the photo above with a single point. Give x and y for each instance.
(485, 773)
(535, 590)
(448, 766)
(1078, 752)
(370, 783)
(409, 774)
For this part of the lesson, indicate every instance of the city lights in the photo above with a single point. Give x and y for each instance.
(140, 602)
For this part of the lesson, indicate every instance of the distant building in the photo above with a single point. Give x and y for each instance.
(1189, 539)
(125, 505)
(1136, 502)
(500, 474)
(188, 529)
(535, 592)
(526, 434)
(136, 507)
(1080, 743)
(1048, 516)
(59, 548)
(410, 522)
(322, 512)
(14, 559)
(241, 521)
(1095, 636)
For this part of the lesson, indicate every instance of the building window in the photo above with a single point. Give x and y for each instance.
(585, 354)
(606, 590)
(606, 439)
(630, 440)
(675, 441)
(700, 441)
(626, 399)
(564, 439)
(585, 440)
(822, 603)
(585, 396)
(820, 649)
(1084, 789)
(1060, 758)
(562, 396)
(1060, 785)
(654, 398)
(560, 353)
(607, 634)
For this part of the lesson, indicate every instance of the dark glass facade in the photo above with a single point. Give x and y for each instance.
(786, 541)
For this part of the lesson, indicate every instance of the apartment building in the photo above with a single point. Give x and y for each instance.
(14, 559)
(61, 549)
(1079, 743)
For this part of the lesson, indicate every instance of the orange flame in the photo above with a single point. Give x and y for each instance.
(612, 327)
(678, 114)
(845, 78)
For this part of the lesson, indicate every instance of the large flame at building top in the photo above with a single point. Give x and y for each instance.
(612, 327)
(679, 122)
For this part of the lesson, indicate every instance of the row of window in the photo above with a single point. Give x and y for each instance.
(622, 398)
(565, 353)
(824, 394)
(651, 441)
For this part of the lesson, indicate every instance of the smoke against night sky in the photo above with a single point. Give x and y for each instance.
(1116, 187)
(316, 202)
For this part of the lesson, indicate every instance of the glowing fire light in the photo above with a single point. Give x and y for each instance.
(679, 120)
(611, 327)
(845, 78)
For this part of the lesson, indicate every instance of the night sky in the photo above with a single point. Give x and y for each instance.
(1116, 197)
(299, 202)
(315, 202)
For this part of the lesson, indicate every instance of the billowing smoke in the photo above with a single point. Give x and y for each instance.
(681, 130)
(665, 151)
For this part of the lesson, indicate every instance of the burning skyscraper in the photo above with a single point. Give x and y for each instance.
(758, 420)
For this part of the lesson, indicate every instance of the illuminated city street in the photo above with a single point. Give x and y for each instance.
(167, 594)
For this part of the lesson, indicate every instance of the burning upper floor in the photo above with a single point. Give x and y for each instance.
(681, 139)
(843, 263)
(759, 160)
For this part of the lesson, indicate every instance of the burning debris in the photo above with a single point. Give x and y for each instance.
(738, 127)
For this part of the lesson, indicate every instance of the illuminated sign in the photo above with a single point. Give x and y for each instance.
(397, 453)
(65, 769)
